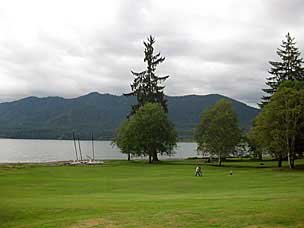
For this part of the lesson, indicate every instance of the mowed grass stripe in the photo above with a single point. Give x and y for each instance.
(137, 194)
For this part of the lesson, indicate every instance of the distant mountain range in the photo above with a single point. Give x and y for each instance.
(57, 117)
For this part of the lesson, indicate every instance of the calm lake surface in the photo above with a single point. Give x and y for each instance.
(27, 150)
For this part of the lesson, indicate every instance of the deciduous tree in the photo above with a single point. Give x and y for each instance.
(218, 132)
(148, 132)
(281, 121)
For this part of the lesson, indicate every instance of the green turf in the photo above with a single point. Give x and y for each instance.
(137, 194)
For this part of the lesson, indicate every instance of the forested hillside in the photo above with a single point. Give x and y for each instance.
(57, 118)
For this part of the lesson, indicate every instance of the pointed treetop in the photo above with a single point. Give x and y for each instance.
(147, 84)
(288, 68)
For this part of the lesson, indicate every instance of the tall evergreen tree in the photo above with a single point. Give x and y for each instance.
(288, 68)
(147, 85)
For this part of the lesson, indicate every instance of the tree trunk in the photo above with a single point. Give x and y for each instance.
(129, 156)
(280, 161)
(219, 160)
(291, 160)
(292, 165)
(155, 158)
(291, 153)
(260, 155)
(150, 160)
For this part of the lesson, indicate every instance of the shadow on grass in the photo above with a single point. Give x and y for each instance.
(233, 165)
(298, 168)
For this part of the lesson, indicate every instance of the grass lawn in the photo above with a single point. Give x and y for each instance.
(137, 194)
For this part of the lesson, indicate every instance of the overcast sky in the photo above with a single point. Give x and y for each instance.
(69, 48)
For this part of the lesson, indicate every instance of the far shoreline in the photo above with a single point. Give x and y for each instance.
(68, 139)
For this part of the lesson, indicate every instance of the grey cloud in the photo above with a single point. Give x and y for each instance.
(286, 12)
(199, 58)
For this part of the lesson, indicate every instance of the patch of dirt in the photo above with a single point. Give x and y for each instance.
(91, 223)
(255, 226)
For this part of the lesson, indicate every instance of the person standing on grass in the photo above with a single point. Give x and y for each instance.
(198, 171)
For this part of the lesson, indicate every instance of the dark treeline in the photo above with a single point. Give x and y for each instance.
(57, 118)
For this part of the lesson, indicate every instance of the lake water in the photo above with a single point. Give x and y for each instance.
(27, 150)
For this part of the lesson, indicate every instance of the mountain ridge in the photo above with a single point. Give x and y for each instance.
(56, 117)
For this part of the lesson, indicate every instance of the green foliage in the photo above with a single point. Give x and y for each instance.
(125, 138)
(147, 84)
(147, 132)
(281, 121)
(289, 68)
(218, 132)
(255, 150)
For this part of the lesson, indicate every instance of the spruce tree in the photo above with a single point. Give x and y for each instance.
(147, 85)
(288, 68)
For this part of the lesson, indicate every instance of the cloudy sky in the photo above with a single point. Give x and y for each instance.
(69, 48)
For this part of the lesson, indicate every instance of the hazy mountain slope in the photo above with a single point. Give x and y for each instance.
(57, 118)
(185, 111)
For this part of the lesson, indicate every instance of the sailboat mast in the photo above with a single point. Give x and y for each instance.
(75, 146)
(93, 146)
(79, 149)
